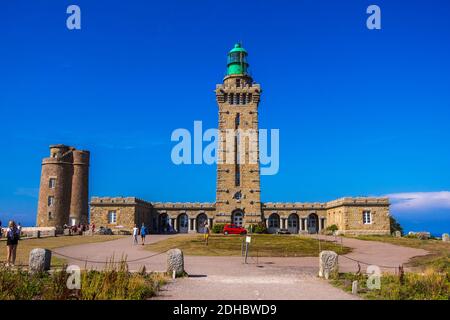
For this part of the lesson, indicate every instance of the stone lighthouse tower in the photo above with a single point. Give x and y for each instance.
(63, 192)
(238, 175)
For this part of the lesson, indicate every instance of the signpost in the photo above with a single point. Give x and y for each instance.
(248, 239)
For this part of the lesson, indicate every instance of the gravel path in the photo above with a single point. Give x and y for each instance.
(229, 278)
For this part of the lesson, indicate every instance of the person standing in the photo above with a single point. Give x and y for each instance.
(135, 234)
(12, 240)
(143, 233)
(1, 229)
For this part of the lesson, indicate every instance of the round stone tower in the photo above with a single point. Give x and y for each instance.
(63, 192)
(80, 187)
(55, 188)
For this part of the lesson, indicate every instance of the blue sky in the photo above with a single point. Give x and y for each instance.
(360, 112)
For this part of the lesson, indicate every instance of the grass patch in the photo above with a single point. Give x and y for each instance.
(115, 283)
(438, 259)
(430, 285)
(263, 245)
(25, 246)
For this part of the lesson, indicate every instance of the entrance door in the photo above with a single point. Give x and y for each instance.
(202, 219)
(313, 223)
(164, 223)
(238, 218)
(293, 223)
(274, 223)
(183, 223)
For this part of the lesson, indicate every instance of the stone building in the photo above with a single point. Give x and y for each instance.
(64, 188)
(238, 189)
(238, 182)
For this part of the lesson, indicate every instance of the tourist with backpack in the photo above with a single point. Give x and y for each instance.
(12, 240)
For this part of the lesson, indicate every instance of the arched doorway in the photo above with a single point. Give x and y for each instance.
(274, 223)
(183, 223)
(164, 223)
(237, 218)
(313, 223)
(202, 219)
(293, 223)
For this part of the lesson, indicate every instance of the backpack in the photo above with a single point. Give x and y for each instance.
(13, 235)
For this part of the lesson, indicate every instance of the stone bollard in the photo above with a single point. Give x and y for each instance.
(52, 233)
(445, 237)
(39, 260)
(328, 264)
(355, 287)
(397, 234)
(175, 262)
(36, 234)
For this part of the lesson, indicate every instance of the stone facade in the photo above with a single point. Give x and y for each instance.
(63, 192)
(238, 192)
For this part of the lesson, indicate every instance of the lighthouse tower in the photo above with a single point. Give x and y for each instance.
(238, 176)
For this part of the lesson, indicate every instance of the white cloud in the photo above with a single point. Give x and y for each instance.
(419, 201)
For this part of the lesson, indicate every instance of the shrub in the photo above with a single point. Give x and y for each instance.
(258, 228)
(395, 226)
(332, 228)
(218, 227)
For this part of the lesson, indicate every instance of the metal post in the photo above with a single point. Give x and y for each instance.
(246, 251)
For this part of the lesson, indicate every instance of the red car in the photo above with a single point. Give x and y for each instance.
(233, 229)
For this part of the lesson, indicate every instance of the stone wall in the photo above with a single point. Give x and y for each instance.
(129, 211)
(347, 214)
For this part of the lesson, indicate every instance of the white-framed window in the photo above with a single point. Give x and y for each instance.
(52, 183)
(112, 217)
(51, 201)
(367, 217)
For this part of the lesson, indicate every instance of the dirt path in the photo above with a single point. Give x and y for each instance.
(229, 278)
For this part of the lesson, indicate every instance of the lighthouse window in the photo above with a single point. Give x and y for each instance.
(237, 98)
(238, 120)
(238, 83)
(51, 201)
(50, 216)
(52, 183)
(231, 98)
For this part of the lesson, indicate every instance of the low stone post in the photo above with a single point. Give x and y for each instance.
(175, 262)
(397, 234)
(36, 234)
(52, 233)
(445, 237)
(328, 264)
(39, 260)
(355, 287)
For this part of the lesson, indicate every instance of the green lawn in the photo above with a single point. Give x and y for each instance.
(25, 246)
(262, 245)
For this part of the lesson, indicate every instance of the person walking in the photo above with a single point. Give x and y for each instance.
(135, 234)
(143, 233)
(12, 240)
(207, 232)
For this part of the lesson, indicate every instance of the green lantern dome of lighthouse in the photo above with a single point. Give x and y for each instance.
(237, 60)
